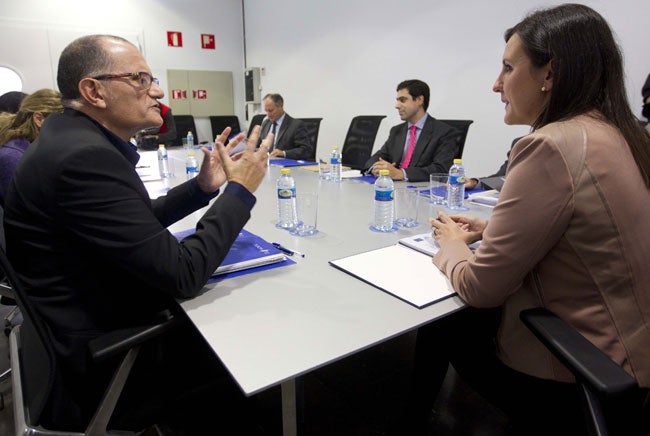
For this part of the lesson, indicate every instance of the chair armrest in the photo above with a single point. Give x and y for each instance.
(120, 341)
(588, 363)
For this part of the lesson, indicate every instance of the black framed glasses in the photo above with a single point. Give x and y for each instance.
(144, 79)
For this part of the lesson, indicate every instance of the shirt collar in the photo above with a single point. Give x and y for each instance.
(127, 149)
(420, 123)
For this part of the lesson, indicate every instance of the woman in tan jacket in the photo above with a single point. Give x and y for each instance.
(571, 231)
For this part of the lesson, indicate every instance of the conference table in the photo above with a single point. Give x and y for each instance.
(271, 327)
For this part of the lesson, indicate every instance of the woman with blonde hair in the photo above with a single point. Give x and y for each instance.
(18, 130)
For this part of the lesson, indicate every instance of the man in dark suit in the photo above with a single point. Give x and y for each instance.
(292, 138)
(420, 146)
(93, 250)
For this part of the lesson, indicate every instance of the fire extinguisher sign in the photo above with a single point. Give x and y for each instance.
(174, 39)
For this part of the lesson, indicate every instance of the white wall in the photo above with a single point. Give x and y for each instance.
(333, 59)
(33, 33)
(342, 58)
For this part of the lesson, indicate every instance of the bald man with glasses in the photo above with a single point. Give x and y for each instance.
(94, 251)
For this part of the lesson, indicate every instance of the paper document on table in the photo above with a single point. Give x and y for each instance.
(401, 272)
(248, 251)
(424, 243)
(348, 174)
(486, 198)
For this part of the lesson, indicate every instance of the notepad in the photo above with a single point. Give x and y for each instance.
(248, 251)
(401, 272)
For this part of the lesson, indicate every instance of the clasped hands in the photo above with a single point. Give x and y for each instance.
(467, 228)
(246, 168)
(394, 172)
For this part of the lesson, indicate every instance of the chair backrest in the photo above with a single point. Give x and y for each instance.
(313, 126)
(463, 126)
(220, 122)
(183, 124)
(360, 139)
(39, 376)
(255, 121)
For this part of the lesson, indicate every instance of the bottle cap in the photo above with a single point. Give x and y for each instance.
(458, 161)
(336, 147)
(161, 145)
(190, 154)
(285, 171)
(384, 172)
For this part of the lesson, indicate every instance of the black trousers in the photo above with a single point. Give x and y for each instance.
(466, 340)
(180, 383)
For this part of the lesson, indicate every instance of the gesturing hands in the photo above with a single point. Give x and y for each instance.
(246, 168)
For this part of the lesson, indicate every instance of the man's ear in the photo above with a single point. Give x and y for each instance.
(93, 91)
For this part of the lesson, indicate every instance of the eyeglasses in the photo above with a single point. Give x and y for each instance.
(144, 79)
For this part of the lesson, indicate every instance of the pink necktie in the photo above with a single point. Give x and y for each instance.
(409, 150)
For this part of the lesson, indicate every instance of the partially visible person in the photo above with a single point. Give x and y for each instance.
(645, 91)
(473, 183)
(18, 130)
(10, 101)
(148, 139)
(291, 135)
(577, 244)
(94, 252)
(421, 145)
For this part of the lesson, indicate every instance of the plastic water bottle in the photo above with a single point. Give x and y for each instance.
(190, 140)
(163, 162)
(335, 164)
(456, 186)
(191, 166)
(287, 214)
(384, 212)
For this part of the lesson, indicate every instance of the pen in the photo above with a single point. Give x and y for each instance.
(286, 250)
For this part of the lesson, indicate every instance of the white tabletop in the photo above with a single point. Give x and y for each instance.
(272, 326)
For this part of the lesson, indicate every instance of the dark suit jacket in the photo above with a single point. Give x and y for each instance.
(293, 138)
(93, 249)
(434, 152)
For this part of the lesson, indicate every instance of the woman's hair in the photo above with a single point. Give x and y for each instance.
(587, 69)
(21, 124)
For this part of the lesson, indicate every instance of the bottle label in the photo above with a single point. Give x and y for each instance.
(284, 193)
(335, 160)
(456, 179)
(383, 195)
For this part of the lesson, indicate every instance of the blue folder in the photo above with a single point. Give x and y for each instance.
(284, 162)
(441, 191)
(249, 253)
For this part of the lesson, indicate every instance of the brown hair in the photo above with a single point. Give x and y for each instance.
(587, 71)
(21, 124)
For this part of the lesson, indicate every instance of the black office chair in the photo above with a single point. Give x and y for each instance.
(360, 139)
(313, 126)
(613, 402)
(6, 297)
(184, 123)
(463, 126)
(34, 363)
(220, 122)
(255, 121)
